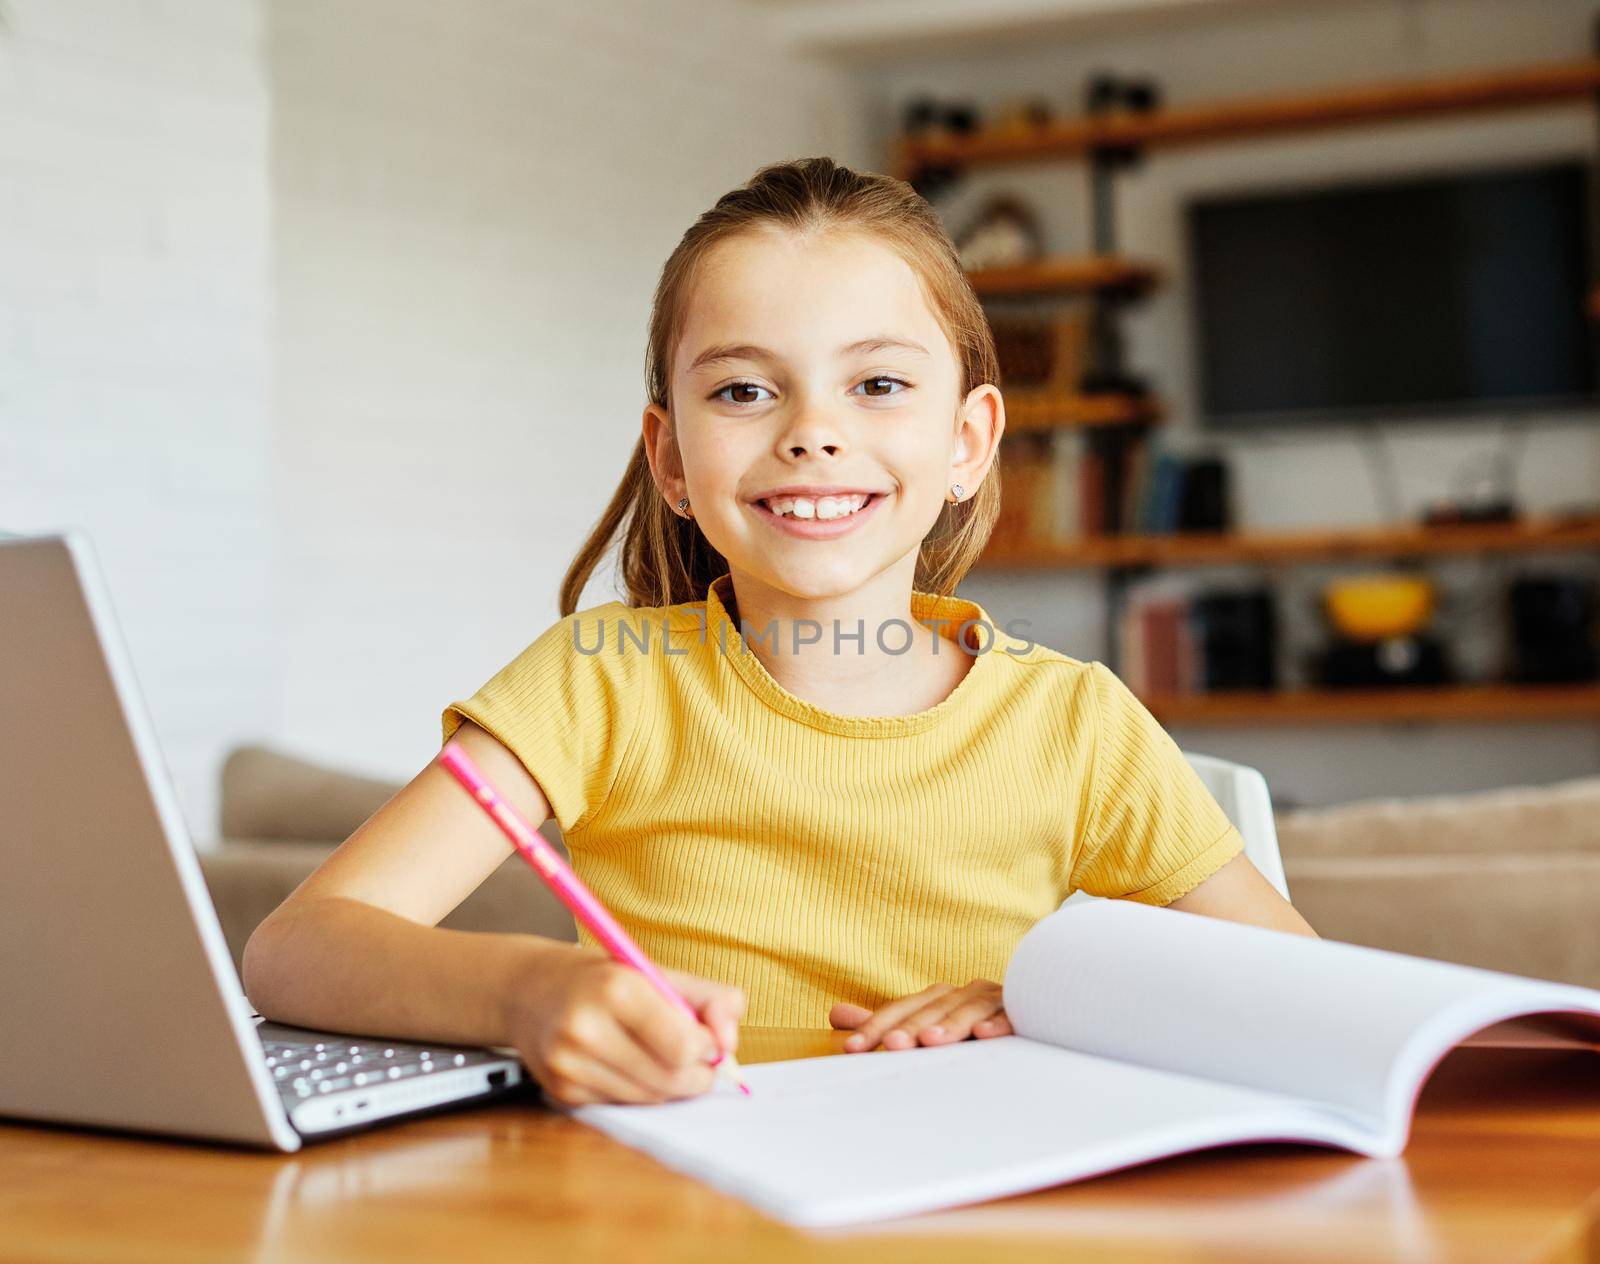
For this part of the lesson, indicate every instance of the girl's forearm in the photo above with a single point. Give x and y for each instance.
(343, 965)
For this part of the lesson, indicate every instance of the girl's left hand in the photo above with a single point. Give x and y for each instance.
(938, 1015)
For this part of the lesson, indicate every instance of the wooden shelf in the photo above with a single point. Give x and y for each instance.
(1226, 548)
(1373, 103)
(1036, 410)
(1088, 275)
(1444, 703)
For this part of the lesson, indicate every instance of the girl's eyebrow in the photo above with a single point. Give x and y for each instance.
(724, 352)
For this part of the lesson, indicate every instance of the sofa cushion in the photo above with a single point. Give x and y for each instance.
(1529, 914)
(1564, 817)
(268, 795)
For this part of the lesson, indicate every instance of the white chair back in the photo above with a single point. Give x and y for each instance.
(1242, 795)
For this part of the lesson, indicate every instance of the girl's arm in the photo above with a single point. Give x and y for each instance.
(1237, 892)
(941, 1014)
(356, 948)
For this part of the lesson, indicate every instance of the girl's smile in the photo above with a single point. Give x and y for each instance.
(822, 515)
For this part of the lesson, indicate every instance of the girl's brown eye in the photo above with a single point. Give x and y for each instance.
(889, 382)
(723, 392)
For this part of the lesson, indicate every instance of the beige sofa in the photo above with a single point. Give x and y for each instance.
(1506, 879)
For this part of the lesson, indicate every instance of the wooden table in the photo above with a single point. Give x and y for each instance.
(1504, 1165)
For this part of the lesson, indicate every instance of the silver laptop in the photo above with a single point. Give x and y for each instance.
(119, 1003)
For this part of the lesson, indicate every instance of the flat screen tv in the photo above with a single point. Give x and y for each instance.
(1434, 296)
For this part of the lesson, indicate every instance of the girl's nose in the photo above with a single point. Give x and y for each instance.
(811, 430)
(827, 449)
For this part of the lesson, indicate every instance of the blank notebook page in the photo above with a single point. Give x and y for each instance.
(868, 1135)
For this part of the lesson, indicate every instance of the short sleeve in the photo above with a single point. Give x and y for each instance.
(1155, 832)
(566, 707)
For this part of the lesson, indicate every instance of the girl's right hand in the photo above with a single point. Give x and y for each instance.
(591, 1029)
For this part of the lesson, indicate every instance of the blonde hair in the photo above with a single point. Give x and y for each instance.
(664, 558)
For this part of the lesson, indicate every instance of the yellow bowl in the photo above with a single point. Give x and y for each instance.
(1376, 607)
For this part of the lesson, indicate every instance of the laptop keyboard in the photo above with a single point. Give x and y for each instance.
(308, 1068)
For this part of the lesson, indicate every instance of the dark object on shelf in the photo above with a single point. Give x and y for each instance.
(961, 117)
(1237, 632)
(918, 116)
(1108, 93)
(1117, 381)
(1102, 94)
(928, 116)
(1141, 96)
(1399, 660)
(1205, 502)
(1099, 382)
(1110, 453)
(923, 115)
(1447, 513)
(1553, 629)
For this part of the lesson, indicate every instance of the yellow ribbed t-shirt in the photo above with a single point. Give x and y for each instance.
(746, 835)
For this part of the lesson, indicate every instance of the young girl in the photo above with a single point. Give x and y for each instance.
(816, 786)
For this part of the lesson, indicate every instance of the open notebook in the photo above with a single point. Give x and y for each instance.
(1141, 1032)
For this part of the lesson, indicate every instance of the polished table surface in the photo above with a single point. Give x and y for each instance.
(1503, 1165)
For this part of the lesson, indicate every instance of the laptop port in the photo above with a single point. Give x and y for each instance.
(497, 1079)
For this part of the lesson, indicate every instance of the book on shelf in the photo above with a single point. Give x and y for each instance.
(1159, 655)
(1091, 492)
(1117, 483)
(1140, 1032)
(1162, 495)
(1157, 495)
(1028, 505)
(1159, 650)
(1071, 330)
(1065, 484)
(1066, 455)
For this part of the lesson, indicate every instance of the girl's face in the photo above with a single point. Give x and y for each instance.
(810, 368)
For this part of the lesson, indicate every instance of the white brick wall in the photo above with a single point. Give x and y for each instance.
(133, 239)
(468, 204)
(473, 205)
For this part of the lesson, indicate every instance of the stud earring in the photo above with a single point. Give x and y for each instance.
(958, 490)
(683, 505)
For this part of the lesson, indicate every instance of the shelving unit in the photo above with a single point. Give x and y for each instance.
(1366, 706)
(1109, 142)
(1186, 549)
(1236, 120)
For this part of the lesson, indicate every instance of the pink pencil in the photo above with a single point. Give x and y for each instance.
(531, 846)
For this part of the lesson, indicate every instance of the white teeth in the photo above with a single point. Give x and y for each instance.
(822, 508)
